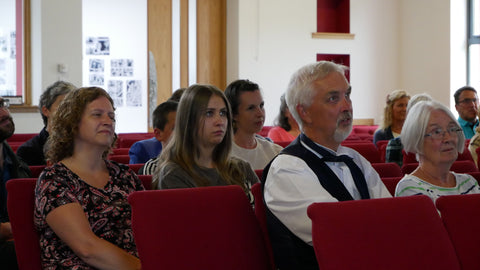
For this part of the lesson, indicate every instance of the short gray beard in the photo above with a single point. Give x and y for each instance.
(341, 134)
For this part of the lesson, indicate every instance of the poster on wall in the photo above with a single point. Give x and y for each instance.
(96, 68)
(13, 47)
(122, 67)
(96, 79)
(97, 46)
(115, 90)
(134, 93)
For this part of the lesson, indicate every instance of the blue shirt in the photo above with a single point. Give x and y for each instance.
(468, 128)
(142, 151)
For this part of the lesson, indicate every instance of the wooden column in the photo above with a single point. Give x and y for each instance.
(211, 42)
(184, 43)
(160, 44)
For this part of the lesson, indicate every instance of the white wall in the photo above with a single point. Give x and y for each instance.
(126, 28)
(56, 39)
(8, 78)
(425, 47)
(274, 39)
(397, 44)
(407, 44)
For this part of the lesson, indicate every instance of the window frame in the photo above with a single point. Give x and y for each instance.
(471, 38)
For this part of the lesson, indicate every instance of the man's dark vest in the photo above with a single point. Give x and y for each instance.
(290, 252)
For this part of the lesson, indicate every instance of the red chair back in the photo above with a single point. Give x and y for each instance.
(409, 167)
(259, 174)
(262, 219)
(409, 157)
(367, 149)
(135, 167)
(387, 233)
(390, 169)
(20, 204)
(197, 228)
(391, 183)
(36, 170)
(463, 166)
(461, 216)
(146, 181)
(124, 159)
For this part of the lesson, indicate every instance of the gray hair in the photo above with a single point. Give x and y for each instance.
(300, 90)
(415, 126)
(417, 98)
(50, 95)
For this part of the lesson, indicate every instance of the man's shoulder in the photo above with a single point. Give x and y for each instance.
(146, 143)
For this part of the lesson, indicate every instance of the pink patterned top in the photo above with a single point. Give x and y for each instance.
(107, 210)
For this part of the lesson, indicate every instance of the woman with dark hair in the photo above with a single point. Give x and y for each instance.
(286, 128)
(81, 208)
(198, 153)
(248, 119)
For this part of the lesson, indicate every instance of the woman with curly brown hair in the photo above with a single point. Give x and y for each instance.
(81, 207)
(394, 115)
(198, 154)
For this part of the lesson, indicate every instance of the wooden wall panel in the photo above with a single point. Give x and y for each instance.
(184, 43)
(160, 44)
(211, 42)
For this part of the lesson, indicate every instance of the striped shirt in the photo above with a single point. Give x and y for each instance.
(412, 185)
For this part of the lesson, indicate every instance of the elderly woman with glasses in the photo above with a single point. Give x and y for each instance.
(432, 133)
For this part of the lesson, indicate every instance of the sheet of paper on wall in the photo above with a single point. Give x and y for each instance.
(134, 93)
(97, 46)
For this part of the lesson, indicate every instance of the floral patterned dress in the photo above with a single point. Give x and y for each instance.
(107, 210)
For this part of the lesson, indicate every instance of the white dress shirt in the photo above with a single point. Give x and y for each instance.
(291, 186)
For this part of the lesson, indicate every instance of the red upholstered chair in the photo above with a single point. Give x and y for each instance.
(409, 167)
(391, 183)
(389, 233)
(459, 166)
(476, 175)
(382, 149)
(135, 167)
(120, 151)
(146, 181)
(367, 149)
(390, 169)
(262, 219)
(197, 228)
(36, 170)
(124, 159)
(409, 158)
(461, 216)
(464, 166)
(465, 155)
(259, 174)
(20, 204)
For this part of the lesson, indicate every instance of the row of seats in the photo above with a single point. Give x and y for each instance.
(125, 140)
(226, 234)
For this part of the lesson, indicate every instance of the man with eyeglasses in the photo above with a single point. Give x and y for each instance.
(466, 103)
(10, 167)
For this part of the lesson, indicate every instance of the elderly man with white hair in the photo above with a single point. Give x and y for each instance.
(315, 167)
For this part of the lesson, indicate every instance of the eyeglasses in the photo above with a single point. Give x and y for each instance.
(468, 101)
(439, 133)
(4, 103)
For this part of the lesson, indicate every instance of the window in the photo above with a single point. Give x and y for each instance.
(473, 43)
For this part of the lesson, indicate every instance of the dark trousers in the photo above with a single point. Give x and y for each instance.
(8, 259)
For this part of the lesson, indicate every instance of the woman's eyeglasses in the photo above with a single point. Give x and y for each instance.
(439, 133)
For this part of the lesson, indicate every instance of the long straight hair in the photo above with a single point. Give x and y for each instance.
(183, 147)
